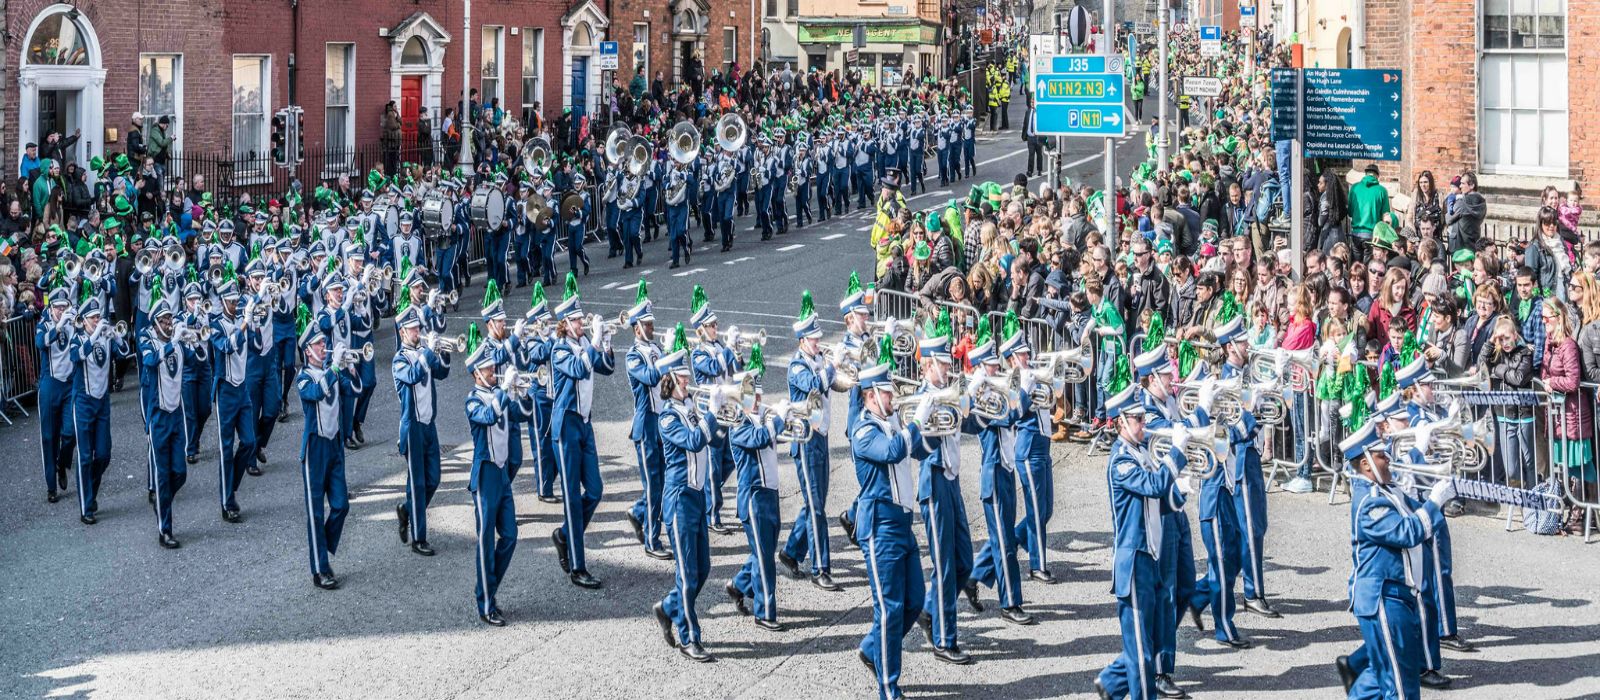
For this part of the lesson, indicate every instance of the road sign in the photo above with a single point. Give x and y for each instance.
(852, 56)
(1247, 11)
(1144, 28)
(608, 55)
(1079, 120)
(1085, 63)
(1210, 40)
(1349, 113)
(1078, 26)
(982, 11)
(1200, 86)
(1076, 88)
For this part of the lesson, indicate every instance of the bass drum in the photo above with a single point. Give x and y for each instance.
(388, 210)
(435, 215)
(488, 207)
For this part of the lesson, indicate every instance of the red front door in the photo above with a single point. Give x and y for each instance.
(410, 100)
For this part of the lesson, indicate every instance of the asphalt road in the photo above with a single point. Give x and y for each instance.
(104, 612)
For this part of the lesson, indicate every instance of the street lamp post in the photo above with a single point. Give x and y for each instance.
(465, 117)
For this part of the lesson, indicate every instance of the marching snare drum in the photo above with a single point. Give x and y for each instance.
(435, 215)
(388, 210)
(488, 207)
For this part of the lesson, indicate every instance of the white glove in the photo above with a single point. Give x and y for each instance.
(516, 330)
(714, 401)
(1183, 485)
(1207, 395)
(1180, 437)
(924, 409)
(1443, 492)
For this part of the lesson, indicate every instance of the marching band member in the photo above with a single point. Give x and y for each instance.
(804, 166)
(865, 150)
(724, 174)
(1250, 498)
(685, 434)
(1388, 530)
(532, 344)
(679, 186)
(521, 232)
(1032, 455)
(284, 339)
(811, 375)
(857, 310)
(705, 174)
(916, 143)
(95, 350)
(577, 354)
(781, 163)
(405, 245)
(611, 185)
(324, 381)
(1176, 563)
(544, 236)
(713, 363)
(498, 239)
(500, 345)
(969, 144)
(444, 250)
(943, 511)
(822, 157)
(844, 152)
(644, 379)
(362, 306)
(630, 215)
(163, 351)
(574, 230)
(996, 564)
(762, 168)
(199, 385)
(234, 338)
(754, 441)
(54, 339)
(494, 406)
(881, 447)
(416, 368)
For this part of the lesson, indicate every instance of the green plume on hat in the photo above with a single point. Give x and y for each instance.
(155, 294)
(302, 318)
(571, 289)
(194, 273)
(538, 296)
(939, 326)
(404, 301)
(886, 351)
(333, 264)
(1121, 374)
(698, 300)
(474, 337)
(1188, 355)
(757, 362)
(1011, 326)
(1355, 393)
(1229, 309)
(643, 294)
(491, 293)
(984, 335)
(680, 338)
(855, 283)
(1409, 348)
(1387, 384)
(228, 274)
(808, 308)
(1155, 334)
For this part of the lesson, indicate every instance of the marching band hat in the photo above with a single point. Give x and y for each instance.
(162, 307)
(417, 275)
(312, 335)
(1152, 362)
(59, 297)
(1388, 407)
(480, 358)
(1362, 441)
(937, 348)
(876, 377)
(495, 309)
(192, 290)
(1015, 344)
(538, 312)
(255, 268)
(406, 219)
(335, 281)
(366, 195)
(706, 315)
(568, 308)
(90, 307)
(806, 328)
(1125, 402)
(352, 249)
(1230, 331)
(262, 217)
(855, 303)
(640, 312)
(983, 353)
(228, 291)
(225, 226)
(1413, 373)
(676, 362)
(410, 318)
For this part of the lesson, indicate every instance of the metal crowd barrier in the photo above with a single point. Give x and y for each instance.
(1041, 336)
(19, 364)
(1576, 457)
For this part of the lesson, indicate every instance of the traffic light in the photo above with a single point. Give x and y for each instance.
(299, 135)
(280, 138)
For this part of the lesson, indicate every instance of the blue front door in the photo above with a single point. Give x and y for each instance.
(580, 86)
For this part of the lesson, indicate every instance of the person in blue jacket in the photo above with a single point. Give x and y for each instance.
(326, 378)
(417, 368)
(581, 349)
(754, 440)
(685, 435)
(644, 381)
(54, 338)
(95, 351)
(495, 403)
(996, 563)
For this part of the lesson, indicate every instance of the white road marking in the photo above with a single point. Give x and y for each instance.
(610, 285)
(835, 236)
(787, 248)
(686, 273)
(997, 159)
(737, 260)
(864, 229)
(628, 287)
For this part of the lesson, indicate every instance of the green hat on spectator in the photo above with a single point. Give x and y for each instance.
(922, 251)
(122, 206)
(1384, 236)
(123, 165)
(1465, 256)
(97, 164)
(111, 224)
(931, 222)
(1163, 246)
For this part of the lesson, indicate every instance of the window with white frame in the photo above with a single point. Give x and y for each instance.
(1523, 88)
(161, 92)
(793, 8)
(641, 48)
(532, 68)
(491, 63)
(339, 83)
(772, 8)
(730, 46)
(252, 96)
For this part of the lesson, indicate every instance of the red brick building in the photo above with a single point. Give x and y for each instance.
(662, 36)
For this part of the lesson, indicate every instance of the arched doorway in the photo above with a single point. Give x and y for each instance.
(581, 29)
(689, 25)
(416, 71)
(61, 81)
(1342, 51)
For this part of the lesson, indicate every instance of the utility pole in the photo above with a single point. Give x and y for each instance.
(1055, 158)
(1108, 200)
(1161, 110)
(465, 117)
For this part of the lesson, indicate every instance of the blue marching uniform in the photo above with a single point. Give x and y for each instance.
(199, 388)
(808, 538)
(233, 341)
(944, 515)
(756, 456)
(1221, 532)
(996, 564)
(327, 417)
(575, 362)
(456, 231)
(532, 355)
(1388, 535)
(678, 212)
(54, 341)
(91, 417)
(685, 435)
(1038, 482)
(491, 412)
(644, 380)
(713, 363)
(165, 360)
(415, 370)
(1177, 551)
(881, 448)
(1139, 490)
(630, 215)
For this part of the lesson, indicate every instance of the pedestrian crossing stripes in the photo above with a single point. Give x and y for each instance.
(795, 246)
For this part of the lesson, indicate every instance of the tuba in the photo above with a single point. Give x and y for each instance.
(731, 133)
(640, 153)
(617, 142)
(536, 156)
(683, 142)
(145, 262)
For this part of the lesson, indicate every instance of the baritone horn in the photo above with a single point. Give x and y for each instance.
(945, 418)
(1069, 366)
(796, 418)
(1200, 462)
(989, 399)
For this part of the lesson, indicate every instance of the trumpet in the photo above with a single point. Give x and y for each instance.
(608, 328)
(441, 343)
(270, 288)
(743, 341)
(438, 301)
(347, 358)
(1199, 451)
(528, 330)
(514, 382)
(257, 313)
(945, 418)
(192, 336)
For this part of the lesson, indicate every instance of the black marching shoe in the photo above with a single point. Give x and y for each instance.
(88, 519)
(1434, 679)
(1347, 675)
(953, 655)
(421, 547)
(551, 498)
(1100, 690)
(925, 623)
(660, 553)
(825, 582)
(53, 497)
(582, 579)
(665, 623)
(769, 625)
(169, 541)
(261, 456)
(253, 470)
(722, 529)
(150, 495)
(971, 589)
(191, 459)
(1260, 607)
(360, 436)
(1456, 643)
(638, 527)
(493, 618)
(325, 581)
(1240, 643)
(1042, 576)
(867, 661)
(1165, 687)
(696, 653)
(404, 518)
(61, 477)
(737, 596)
(789, 563)
(560, 542)
(849, 528)
(231, 516)
(1194, 616)
(1016, 616)
(351, 444)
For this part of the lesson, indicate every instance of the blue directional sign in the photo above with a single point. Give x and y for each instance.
(1210, 32)
(1093, 88)
(1080, 120)
(1349, 113)
(1247, 11)
(1086, 63)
